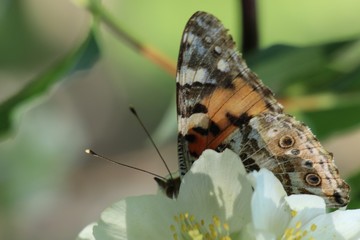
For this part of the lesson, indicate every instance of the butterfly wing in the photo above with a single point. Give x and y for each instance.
(216, 91)
(222, 104)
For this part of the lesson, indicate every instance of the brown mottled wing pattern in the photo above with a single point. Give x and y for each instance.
(222, 104)
(216, 91)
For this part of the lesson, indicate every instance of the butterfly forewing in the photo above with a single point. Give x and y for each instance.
(216, 92)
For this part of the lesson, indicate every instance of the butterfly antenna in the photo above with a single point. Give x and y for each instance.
(152, 141)
(91, 152)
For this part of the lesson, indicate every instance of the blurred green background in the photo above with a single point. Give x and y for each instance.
(49, 188)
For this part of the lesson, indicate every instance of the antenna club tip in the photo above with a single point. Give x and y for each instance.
(132, 109)
(89, 151)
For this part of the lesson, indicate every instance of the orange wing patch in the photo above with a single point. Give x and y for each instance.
(227, 109)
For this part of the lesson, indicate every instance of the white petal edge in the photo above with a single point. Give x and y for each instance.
(270, 212)
(87, 233)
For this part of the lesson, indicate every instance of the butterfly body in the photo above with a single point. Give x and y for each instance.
(222, 104)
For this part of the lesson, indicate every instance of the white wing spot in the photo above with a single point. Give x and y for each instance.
(190, 37)
(208, 39)
(188, 75)
(195, 120)
(218, 50)
(223, 66)
(201, 75)
(272, 133)
(185, 37)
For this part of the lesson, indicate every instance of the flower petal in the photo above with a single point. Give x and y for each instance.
(250, 233)
(87, 233)
(305, 208)
(300, 202)
(270, 212)
(214, 185)
(336, 225)
(145, 217)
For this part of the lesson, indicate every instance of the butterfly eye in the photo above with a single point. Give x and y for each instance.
(286, 141)
(312, 179)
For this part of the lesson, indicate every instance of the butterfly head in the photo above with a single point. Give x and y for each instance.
(170, 187)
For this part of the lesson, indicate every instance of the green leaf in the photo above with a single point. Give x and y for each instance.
(307, 69)
(80, 58)
(335, 120)
(324, 70)
(355, 191)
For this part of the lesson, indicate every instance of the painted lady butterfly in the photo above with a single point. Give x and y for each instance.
(223, 104)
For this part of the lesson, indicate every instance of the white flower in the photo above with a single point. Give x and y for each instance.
(277, 216)
(217, 201)
(211, 193)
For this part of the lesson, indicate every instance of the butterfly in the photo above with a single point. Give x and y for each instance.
(222, 104)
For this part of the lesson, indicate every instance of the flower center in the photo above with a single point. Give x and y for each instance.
(186, 227)
(298, 233)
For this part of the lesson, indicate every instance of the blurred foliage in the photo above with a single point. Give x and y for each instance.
(297, 72)
(80, 58)
(355, 191)
(14, 28)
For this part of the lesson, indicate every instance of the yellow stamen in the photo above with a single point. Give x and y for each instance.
(187, 227)
(216, 221)
(288, 232)
(183, 228)
(226, 227)
(296, 233)
(172, 228)
(313, 227)
(195, 234)
(293, 213)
